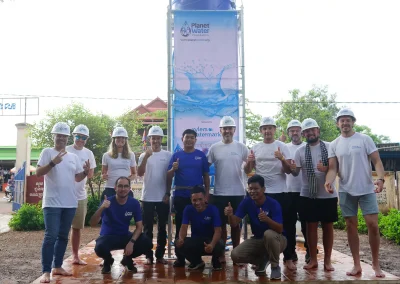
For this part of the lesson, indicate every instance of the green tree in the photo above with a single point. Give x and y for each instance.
(317, 104)
(375, 137)
(100, 127)
(252, 126)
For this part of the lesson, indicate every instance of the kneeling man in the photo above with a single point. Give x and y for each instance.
(206, 233)
(116, 213)
(266, 221)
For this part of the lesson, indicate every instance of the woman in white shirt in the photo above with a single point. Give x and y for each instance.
(117, 162)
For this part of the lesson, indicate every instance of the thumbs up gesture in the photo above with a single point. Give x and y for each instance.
(283, 137)
(106, 202)
(278, 154)
(228, 211)
(175, 165)
(208, 247)
(321, 167)
(293, 165)
(251, 157)
(262, 216)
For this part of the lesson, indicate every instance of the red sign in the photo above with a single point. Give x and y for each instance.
(34, 189)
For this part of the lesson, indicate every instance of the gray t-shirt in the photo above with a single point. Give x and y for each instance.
(316, 157)
(118, 167)
(293, 183)
(228, 160)
(155, 176)
(269, 167)
(355, 171)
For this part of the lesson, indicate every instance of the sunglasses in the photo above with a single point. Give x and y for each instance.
(84, 138)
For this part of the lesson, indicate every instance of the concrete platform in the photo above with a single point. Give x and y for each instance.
(159, 273)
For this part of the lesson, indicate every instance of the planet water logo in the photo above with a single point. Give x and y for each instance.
(196, 29)
(206, 132)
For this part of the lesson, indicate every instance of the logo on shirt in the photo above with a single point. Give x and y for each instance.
(197, 158)
(128, 214)
(234, 154)
(355, 147)
(207, 218)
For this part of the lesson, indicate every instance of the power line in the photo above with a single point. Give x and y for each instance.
(252, 102)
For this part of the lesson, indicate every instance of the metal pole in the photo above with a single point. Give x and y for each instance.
(169, 144)
(242, 71)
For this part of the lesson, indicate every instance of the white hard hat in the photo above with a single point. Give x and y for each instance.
(155, 130)
(119, 132)
(309, 123)
(345, 112)
(61, 128)
(81, 129)
(227, 121)
(293, 123)
(267, 121)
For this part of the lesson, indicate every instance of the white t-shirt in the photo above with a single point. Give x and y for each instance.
(228, 160)
(59, 182)
(293, 183)
(269, 167)
(155, 177)
(84, 155)
(118, 167)
(316, 157)
(355, 171)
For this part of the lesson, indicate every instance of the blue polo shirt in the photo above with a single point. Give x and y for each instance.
(202, 223)
(116, 218)
(190, 172)
(248, 207)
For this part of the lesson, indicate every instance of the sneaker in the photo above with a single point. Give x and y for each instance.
(260, 269)
(275, 272)
(197, 266)
(128, 264)
(107, 266)
(178, 263)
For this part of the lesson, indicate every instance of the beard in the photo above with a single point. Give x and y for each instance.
(313, 140)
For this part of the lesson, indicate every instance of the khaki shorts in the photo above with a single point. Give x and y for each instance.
(79, 219)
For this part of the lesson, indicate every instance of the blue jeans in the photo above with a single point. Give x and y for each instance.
(57, 222)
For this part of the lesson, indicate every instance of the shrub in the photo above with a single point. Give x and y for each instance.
(28, 218)
(341, 223)
(390, 225)
(92, 206)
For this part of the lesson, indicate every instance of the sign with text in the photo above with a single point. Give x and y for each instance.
(34, 189)
(205, 76)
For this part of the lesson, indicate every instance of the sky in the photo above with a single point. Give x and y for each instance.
(89, 49)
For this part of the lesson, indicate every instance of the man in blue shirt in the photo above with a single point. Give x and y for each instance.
(190, 168)
(266, 222)
(205, 225)
(116, 213)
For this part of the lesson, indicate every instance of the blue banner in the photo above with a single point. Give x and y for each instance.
(205, 74)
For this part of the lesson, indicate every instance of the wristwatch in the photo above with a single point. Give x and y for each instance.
(132, 241)
(52, 164)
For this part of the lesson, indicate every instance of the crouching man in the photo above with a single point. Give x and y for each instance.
(266, 222)
(206, 233)
(116, 213)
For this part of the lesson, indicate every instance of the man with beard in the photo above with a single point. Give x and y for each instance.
(350, 155)
(116, 213)
(265, 216)
(60, 170)
(294, 184)
(228, 157)
(318, 205)
(271, 160)
(153, 166)
(190, 168)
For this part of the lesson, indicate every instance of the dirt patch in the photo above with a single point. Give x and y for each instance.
(389, 251)
(20, 253)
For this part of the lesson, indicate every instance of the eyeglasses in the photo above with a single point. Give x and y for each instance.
(125, 186)
(83, 138)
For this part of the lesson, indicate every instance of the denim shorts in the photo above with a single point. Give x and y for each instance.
(349, 204)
